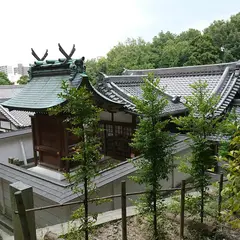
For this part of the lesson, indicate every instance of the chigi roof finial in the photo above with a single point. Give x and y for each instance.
(67, 56)
(37, 57)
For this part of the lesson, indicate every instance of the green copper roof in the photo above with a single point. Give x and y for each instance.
(41, 93)
(45, 84)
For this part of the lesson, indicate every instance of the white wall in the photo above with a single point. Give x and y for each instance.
(10, 145)
(118, 117)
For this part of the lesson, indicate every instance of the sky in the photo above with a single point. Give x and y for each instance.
(95, 26)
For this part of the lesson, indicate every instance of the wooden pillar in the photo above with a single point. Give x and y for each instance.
(33, 121)
(105, 140)
(114, 136)
(134, 126)
(2, 202)
(66, 144)
(27, 201)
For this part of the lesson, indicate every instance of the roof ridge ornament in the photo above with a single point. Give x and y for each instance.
(67, 56)
(37, 57)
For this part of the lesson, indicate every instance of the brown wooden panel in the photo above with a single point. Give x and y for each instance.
(49, 140)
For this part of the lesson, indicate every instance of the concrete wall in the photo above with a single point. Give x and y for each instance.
(16, 144)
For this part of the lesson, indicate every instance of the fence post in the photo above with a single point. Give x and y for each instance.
(21, 196)
(124, 210)
(220, 195)
(182, 209)
(22, 214)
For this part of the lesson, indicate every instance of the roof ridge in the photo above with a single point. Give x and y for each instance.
(183, 67)
(8, 115)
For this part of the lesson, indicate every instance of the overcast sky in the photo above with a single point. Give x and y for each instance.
(95, 26)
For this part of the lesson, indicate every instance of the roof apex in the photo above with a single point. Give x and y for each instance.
(183, 70)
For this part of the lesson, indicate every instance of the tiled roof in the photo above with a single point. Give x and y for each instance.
(40, 93)
(60, 191)
(221, 79)
(18, 118)
(9, 91)
(45, 84)
(122, 88)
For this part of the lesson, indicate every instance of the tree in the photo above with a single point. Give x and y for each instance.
(157, 45)
(175, 54)
(229, 156)
(203, 51)
(225, 35)
(82, 117)
(133, 54)
(4, 79)
(23, 79)
(200, 123)
(154, 143)
(189, 35)
(94, 66)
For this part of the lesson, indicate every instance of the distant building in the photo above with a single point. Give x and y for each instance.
(20, 69)
(6, 69)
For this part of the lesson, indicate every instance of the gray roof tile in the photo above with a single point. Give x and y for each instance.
(18, 118)
(176, 81)
(9, 91)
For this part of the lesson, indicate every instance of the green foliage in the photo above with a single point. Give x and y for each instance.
(4, 79)
(231, 191)
(153, 143)
(226, 34)
(23, 80)
(199, 124)
(218, 43)
(202, 51)
(94, 66)
(82, 117)
(133, 54)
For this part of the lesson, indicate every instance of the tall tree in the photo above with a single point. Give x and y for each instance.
(82, 117)
(4, 79)
(133, 54)
(229, 156)
(199, 124)
(189, 35)
(203, 51)
(174, 54)
(225, 36)
(94, 66)
(157, 45)
(155, 145)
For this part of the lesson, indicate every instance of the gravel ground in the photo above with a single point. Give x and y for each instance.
(137, 229)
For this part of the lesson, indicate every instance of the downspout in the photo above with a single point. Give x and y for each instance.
(23, 152)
